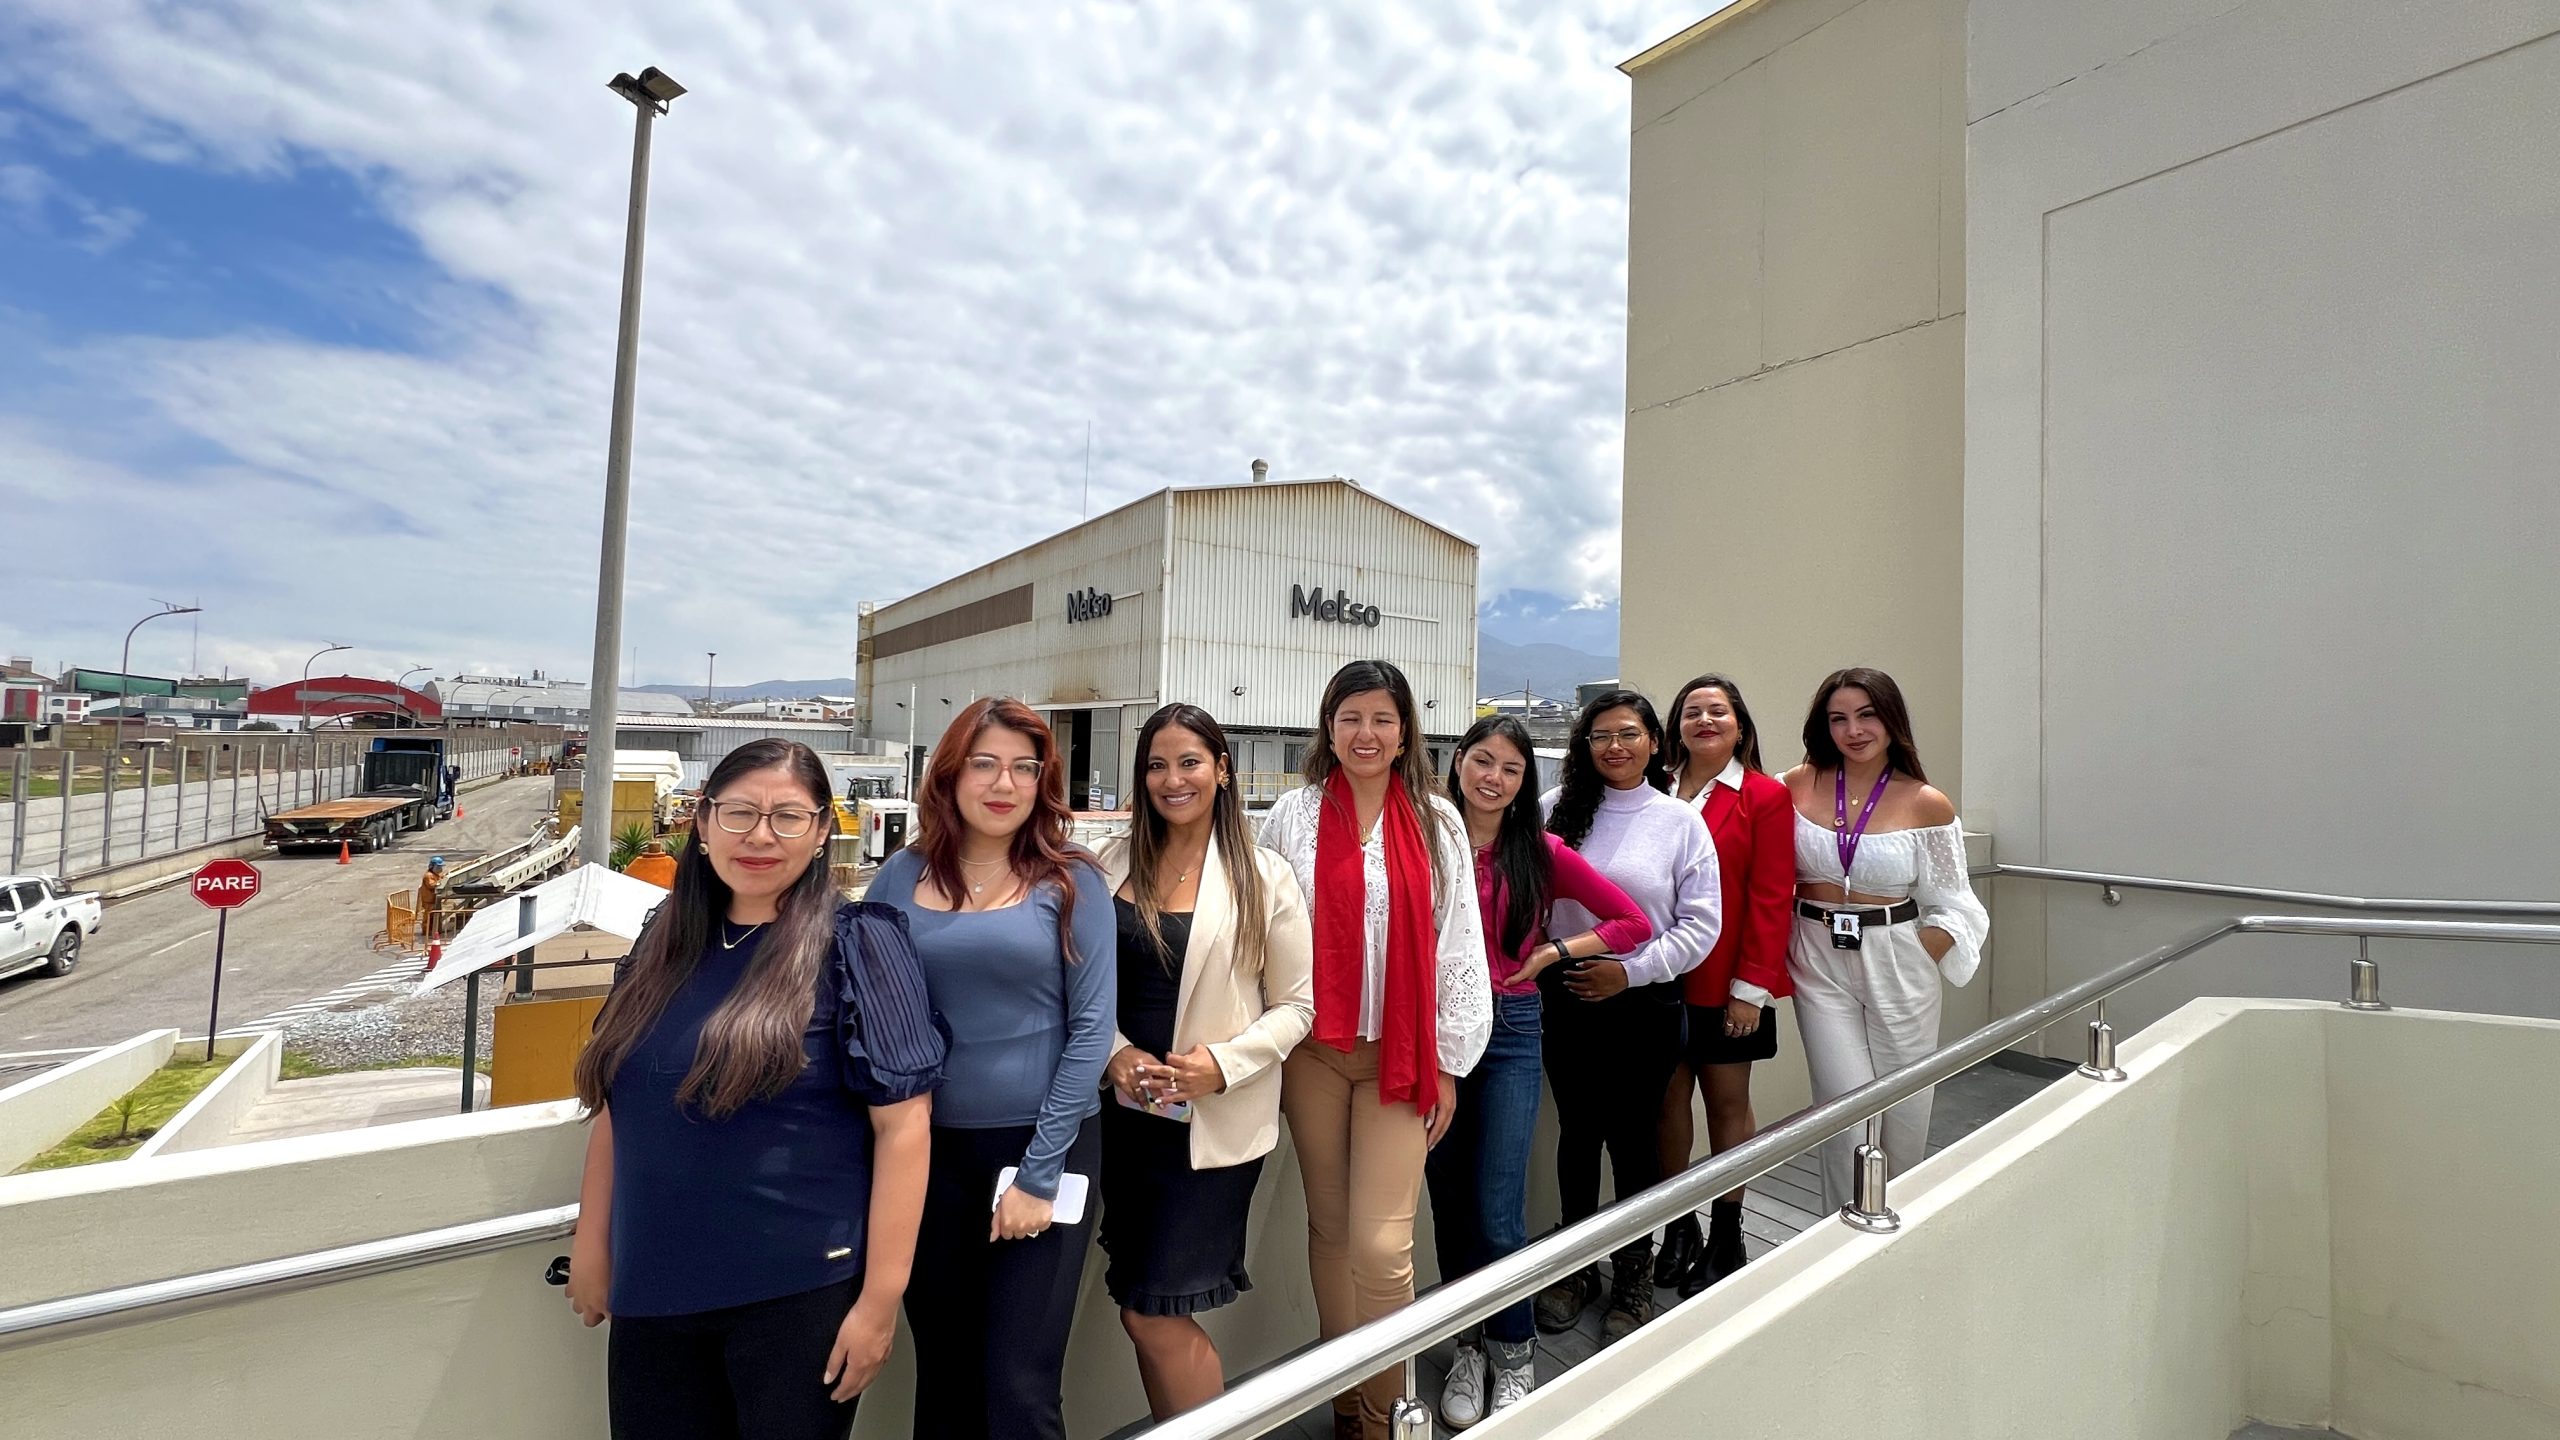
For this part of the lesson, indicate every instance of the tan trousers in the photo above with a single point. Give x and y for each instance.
(1362, 1163)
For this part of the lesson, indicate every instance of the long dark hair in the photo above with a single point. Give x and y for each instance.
(1148, 828)
(1900, 753)
(1747, 748)
(1520, 854)
(1042, 854)
(752, 1047)
(1412, 768)
(1578, 797)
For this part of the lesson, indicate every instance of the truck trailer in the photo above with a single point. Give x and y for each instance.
(403, 783)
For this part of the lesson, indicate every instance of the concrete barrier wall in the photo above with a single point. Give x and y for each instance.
(2291, 1213)
(208, 1119)
(36, 1114)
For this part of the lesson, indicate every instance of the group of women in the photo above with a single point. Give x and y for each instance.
(802, 1107)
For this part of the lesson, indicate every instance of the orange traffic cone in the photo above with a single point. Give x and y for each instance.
(342, 853)
(435, 953)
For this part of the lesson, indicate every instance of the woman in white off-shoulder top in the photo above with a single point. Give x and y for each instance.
(1885, 916)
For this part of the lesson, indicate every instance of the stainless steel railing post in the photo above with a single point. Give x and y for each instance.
(1867, 1210)
(2101, 1064)
(2364, 979)
(1410, 1419)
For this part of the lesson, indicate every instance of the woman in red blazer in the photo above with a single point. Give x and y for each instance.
(1716, 768)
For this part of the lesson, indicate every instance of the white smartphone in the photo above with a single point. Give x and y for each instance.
(1069, 1207)
(1162, 1109)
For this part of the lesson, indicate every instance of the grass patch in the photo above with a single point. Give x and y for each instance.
(115, 1132)
(298, 1065)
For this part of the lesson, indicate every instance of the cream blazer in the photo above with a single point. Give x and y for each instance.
(1249, 1019)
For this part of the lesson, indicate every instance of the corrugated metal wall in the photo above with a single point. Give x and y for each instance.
(1238, 551)
(1047, 661)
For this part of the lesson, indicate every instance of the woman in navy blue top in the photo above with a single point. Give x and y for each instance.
(759, 1085)
(1014, 929)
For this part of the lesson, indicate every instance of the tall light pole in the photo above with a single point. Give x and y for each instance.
(124, 667)
(710, 691)
(649, 94)
(402, 684)
(303, 695)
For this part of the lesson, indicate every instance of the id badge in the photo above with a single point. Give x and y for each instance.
(1844, 930)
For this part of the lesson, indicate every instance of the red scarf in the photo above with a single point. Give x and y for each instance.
(1408, 1040)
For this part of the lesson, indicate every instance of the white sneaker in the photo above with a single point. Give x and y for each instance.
(1462, 1398)
(1512, 1386)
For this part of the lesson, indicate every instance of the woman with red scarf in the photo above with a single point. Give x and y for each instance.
(1403, 1005)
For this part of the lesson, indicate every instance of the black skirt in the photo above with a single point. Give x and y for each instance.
(1709, 1045)
(1175, 1235)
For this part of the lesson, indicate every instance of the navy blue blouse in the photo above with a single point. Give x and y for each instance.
(771, 1200)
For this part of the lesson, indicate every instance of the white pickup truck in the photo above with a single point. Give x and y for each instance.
(43, 923)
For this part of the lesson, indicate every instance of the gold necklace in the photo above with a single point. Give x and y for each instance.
(979, 887)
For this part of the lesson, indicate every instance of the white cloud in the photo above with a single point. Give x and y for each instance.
(898, 257)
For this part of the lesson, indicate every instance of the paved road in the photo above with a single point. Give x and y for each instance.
(308, 933)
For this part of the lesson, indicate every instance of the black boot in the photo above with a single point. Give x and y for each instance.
(1724, 1253)
(1681, 1246)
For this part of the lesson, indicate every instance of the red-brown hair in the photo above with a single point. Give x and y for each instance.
(1042, 853)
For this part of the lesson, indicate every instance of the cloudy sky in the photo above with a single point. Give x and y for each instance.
(307, 311)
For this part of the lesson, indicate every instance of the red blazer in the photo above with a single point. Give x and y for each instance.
(1755, 834)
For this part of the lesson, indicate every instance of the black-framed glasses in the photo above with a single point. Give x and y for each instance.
(789, 822)
(1630, 737)
(984, 767)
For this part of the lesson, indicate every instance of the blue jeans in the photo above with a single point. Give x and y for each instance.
(1479, 1172)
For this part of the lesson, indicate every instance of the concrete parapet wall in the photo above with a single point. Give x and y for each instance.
(209, 1118)
(36, 1114)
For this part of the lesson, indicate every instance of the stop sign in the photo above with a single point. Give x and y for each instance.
(225, 884)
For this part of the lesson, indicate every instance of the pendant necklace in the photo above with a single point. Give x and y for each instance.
(728, 944)
(979, 887)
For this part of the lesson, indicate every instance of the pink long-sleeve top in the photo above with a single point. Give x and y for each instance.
(1622, 925)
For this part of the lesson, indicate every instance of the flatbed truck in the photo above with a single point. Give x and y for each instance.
(404, 784)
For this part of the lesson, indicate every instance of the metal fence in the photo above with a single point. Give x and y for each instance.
(73, 812)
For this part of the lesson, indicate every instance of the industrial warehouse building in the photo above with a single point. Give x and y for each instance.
(1242, 599)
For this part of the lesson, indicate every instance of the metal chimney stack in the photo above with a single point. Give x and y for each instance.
(1261, 471)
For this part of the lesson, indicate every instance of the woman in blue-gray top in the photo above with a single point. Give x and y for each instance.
(1015, 932)
(759, 1091)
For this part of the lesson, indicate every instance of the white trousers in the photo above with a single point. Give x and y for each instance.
(1863, 1013)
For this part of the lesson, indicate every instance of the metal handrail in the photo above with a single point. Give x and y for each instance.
(162, 1299)
(2110, 884)
(1282, 1393)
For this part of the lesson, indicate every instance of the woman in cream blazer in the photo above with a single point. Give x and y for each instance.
(1216, 987)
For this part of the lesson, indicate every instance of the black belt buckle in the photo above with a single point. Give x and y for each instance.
(1846, 926)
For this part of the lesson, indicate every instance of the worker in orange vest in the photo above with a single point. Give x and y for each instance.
(430, 924)
(654, 865)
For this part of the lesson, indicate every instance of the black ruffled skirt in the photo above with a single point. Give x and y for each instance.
(1174, 1235)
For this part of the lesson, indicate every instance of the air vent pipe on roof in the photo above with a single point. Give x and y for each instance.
(1261, 471)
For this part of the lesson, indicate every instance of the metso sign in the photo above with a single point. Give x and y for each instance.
(1334, 609)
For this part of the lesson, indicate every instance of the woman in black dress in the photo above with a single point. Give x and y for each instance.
(1216, 987)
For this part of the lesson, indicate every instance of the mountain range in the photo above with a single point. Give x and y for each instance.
(1523, 637)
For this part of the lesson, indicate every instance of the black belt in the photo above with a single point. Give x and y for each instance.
(1894, 914)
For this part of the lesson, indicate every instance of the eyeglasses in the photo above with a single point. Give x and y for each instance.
(984, 767)
(1603, 739)
(739, 818)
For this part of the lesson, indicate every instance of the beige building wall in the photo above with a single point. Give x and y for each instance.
(1795, 372)
(2260, 477)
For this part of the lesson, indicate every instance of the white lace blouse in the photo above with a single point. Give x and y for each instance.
(1464, 1010)
(1926, 865)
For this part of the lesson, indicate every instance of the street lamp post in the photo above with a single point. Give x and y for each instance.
(710, 689)
(649, 95)
(124, 667)
(402, 685)
(303, 695)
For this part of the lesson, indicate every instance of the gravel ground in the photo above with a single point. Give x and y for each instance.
(383, 1030)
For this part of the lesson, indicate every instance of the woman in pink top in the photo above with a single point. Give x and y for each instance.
(1479, 1173)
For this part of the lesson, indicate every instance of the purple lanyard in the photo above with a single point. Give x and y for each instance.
(1848, 842)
